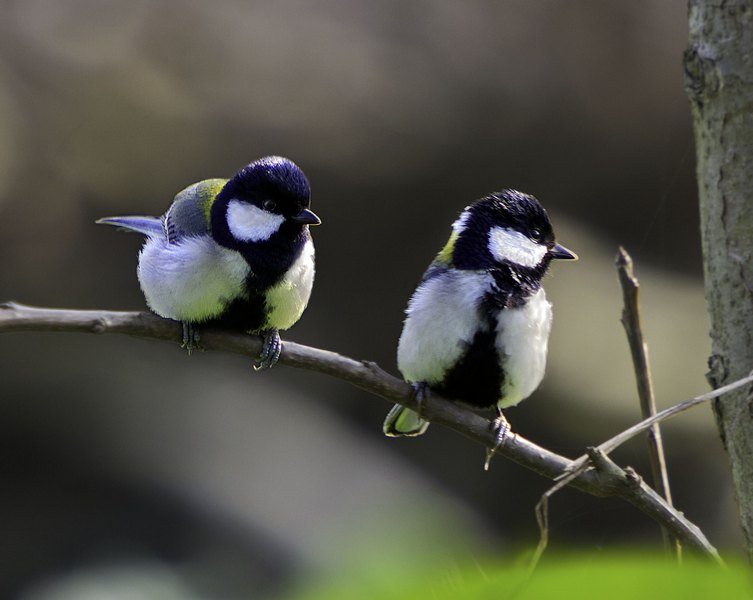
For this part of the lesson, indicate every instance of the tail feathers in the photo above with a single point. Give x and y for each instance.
(149, 226)
(403, 421)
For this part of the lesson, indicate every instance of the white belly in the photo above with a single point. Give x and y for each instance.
(523, 334)
(287, 299)
(192, 280)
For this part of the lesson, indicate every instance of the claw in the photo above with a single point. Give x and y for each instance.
(191, 337)
(501, 427)
(270, 350)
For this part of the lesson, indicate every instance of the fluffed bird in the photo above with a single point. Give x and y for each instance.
(478, 323)
(232, 252)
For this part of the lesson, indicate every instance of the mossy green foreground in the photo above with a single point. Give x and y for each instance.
(610, 576)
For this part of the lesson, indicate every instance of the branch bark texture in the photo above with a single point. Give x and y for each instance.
(719, 82)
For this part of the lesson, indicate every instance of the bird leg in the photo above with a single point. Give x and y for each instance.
(419, 391)
(270, 350)
(191, 337)
(501, 427)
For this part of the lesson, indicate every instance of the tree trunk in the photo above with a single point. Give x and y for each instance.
(719, 82)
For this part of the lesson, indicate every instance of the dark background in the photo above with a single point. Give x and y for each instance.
(125, 463)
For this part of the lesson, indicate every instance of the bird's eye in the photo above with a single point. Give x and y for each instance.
(536, 234)
(269, 205)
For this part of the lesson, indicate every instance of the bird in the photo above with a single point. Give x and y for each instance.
(477, 326)
(236, 253)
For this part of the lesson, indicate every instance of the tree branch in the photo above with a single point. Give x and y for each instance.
(363, 374)
(370, 377)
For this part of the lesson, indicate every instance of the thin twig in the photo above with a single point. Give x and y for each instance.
(368, 376)
(615, 442)
(541, 511)
(631, 321)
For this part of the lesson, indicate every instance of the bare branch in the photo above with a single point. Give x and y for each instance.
(631, 321)
(370, 377)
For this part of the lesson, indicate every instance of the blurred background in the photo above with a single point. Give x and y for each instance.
(126, 465)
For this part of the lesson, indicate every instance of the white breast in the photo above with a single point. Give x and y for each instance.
(192, 280)
(287, 299)
(442, 320)
(523, 335)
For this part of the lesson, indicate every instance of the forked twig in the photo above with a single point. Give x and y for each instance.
(581, 465)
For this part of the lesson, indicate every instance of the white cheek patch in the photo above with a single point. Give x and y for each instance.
(249, 223)
(512, 246)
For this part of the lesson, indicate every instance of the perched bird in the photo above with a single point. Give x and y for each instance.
(232, 252)
(478, 324)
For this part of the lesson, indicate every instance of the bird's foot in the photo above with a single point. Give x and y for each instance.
(270, 350)
(501, 427)
(191, 337)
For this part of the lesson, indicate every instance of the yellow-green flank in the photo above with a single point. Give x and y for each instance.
(445, 254)
(207, 192)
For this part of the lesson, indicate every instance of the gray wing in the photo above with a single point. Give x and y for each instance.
(188, 215)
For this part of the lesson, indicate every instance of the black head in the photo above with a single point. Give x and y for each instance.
(268, 197)
(506, 228)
